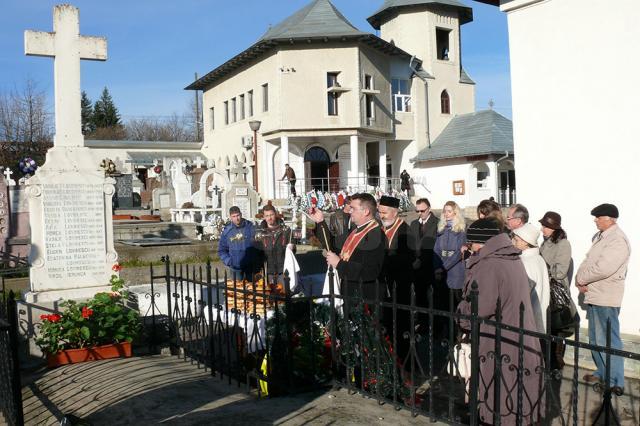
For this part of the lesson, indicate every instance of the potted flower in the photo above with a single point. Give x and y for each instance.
(100, 328)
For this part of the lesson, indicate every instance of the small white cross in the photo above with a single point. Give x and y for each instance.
(199, 162)
(67, 47)
(7, 174)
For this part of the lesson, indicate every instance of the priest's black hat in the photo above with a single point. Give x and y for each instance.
(388, 201)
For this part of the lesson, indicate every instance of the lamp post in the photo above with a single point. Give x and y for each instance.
(255, 126)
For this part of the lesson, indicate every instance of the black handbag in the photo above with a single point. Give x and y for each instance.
(560, 307)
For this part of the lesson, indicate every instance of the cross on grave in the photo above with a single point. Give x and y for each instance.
(238, 170)
(216, 189)
(199, 162)
(7, 174)
(67, 47)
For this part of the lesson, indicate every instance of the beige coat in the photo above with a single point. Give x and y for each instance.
(605, 268)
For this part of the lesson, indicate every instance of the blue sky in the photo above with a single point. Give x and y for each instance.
(156, 46)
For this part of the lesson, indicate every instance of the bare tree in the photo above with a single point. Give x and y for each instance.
(173, 128)
(23, 115)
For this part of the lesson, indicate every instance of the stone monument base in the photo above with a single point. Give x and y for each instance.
(78, 294)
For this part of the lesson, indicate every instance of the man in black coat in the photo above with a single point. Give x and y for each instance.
(424, 231)
(398, 271)
(273, 237)
(362, 255)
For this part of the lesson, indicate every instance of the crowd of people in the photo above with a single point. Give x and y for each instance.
(514, 263)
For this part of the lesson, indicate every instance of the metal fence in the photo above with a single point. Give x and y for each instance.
(10, 387)
(334, 184)
(411, 355)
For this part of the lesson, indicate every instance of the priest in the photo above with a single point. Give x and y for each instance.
(397, 271)
(362, 256)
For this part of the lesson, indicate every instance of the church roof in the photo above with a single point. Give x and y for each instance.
(320, 18)
(319, 21)
(478, 133)
(391, 6)
(464, 77)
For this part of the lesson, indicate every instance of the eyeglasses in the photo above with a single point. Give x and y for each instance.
(512, 217)
(421, 211)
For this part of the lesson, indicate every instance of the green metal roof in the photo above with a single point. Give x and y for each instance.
(319, 18)
(318, 22)
(478, 133)
(390, 6)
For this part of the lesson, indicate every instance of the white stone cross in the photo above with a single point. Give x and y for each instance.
(67, 47)
(199, 162)
(7, 174)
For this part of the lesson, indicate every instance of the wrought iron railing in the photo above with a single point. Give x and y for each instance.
(10, 387)
(410, 354)
(335, 184)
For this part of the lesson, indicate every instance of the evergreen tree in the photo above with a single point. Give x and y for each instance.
(88, 124)
(105, 113)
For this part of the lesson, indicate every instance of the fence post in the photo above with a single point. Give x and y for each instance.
(212, 357)
(167, 277)
(12, 311)
(475, 359)
(153, 336)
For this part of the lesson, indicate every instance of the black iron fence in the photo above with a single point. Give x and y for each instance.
(10, 387)
(424, 356)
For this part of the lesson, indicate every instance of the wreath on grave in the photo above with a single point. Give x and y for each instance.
(27, 165)
(157, 169)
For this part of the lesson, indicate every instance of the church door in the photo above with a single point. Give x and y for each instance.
(316, 169)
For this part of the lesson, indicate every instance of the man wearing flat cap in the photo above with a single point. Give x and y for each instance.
(601, 279)
(397, 269)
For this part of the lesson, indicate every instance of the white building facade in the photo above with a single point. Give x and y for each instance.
(343, 107)
(575, 118)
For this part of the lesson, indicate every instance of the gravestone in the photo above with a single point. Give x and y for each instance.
(163, 199)
(70, 210)
(124, 191)
(241, 193)
(181, 183)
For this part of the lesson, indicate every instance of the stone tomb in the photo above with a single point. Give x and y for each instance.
(240, 193)
(124, 192)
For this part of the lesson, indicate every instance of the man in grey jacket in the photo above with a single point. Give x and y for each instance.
(601, 279)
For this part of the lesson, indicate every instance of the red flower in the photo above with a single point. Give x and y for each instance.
(44, 317)
(86, 312)
(314, 201)
(116, 267)
(54, 317)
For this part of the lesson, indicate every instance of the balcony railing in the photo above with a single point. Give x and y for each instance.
(350, 185)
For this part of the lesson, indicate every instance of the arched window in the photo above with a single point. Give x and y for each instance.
(445, 103)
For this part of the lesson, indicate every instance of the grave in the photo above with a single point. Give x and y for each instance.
(241, 193)
(124, 191)
(70, 198)
(163, 199)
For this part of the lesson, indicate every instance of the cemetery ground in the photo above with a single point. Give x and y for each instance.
(171, 390)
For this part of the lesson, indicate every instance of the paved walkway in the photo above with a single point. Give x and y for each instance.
(168, 390)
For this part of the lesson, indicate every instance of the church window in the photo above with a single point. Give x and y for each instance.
(242, 107)
(233, 110)
(212, 118)
(265, 97)
(332, 97)
(250, 102)
(401, 95)
(445, 103)
(226, 112)
(442, 44)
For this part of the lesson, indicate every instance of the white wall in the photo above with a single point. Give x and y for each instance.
(576, 100)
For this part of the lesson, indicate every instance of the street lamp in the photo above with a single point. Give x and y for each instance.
(255, 126)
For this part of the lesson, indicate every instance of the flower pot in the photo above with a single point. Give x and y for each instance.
(72, 356)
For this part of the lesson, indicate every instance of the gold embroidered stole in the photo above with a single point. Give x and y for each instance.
(391, 231)
(354, 239)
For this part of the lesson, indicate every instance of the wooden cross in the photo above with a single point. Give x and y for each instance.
(67, 47)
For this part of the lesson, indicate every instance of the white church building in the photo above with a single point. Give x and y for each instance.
(350, 110)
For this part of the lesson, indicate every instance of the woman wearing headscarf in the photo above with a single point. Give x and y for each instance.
(556, 251)
(500, 276)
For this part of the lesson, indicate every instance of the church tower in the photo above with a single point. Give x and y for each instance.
(430, 30)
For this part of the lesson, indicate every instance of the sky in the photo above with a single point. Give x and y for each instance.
(155, 47)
